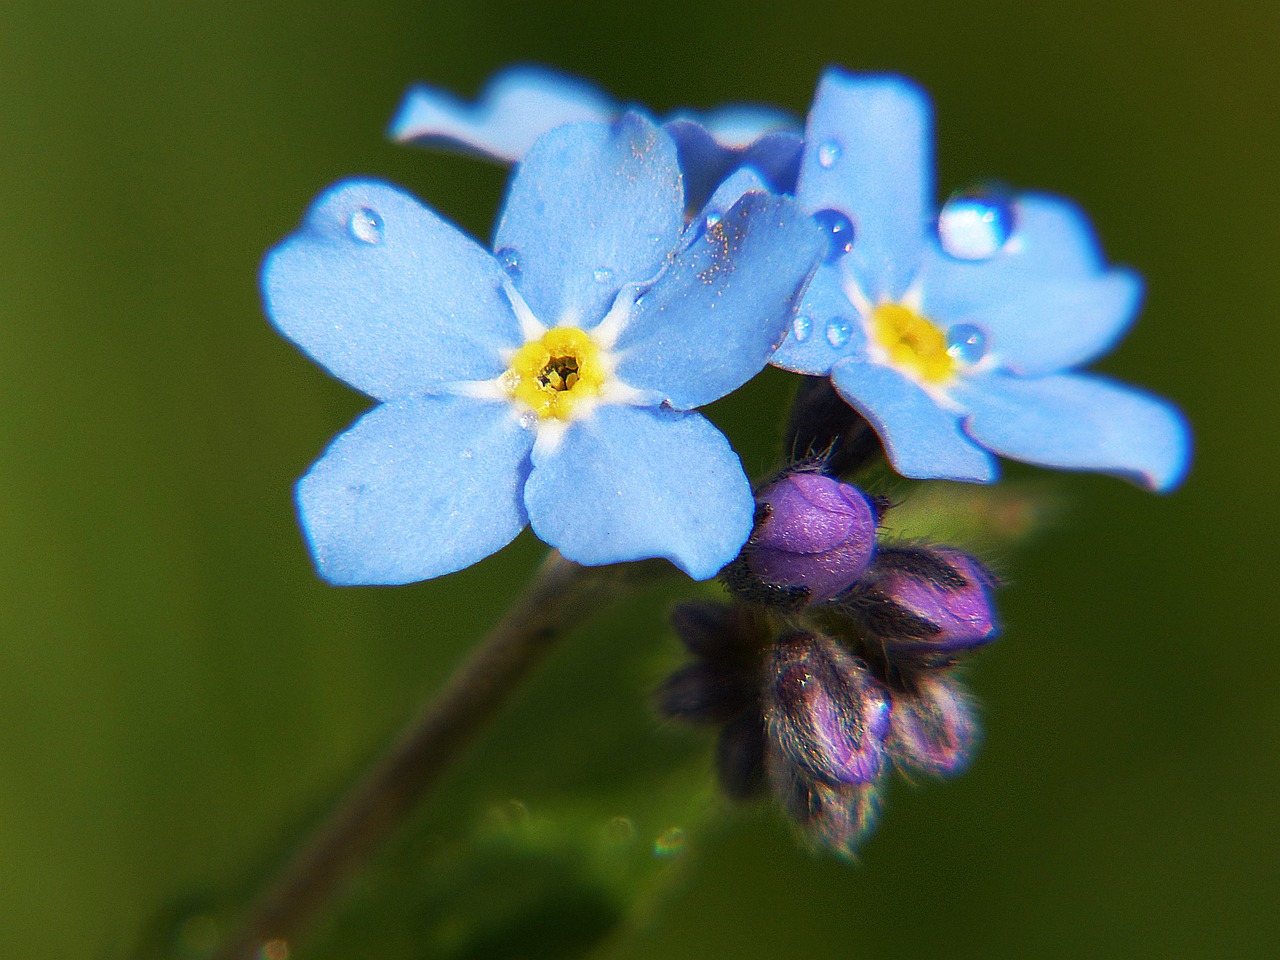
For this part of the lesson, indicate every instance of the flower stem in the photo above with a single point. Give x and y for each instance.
(561, 594)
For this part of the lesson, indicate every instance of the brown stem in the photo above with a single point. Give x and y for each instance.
(562, 594)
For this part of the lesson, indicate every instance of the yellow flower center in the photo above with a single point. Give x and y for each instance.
(913, 343)
(553, 374)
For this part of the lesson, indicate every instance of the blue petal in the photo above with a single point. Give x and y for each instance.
(729, 192)
(1034, 323)
(386, 295)
(869, 154)
(1080, 422)
(1051, 236)
(630, 483)
(739, 125)
(518, 106)
(921, 439)
(590, 209)
(705, 160)
(713, 318)
(826, 329)
(416, 489)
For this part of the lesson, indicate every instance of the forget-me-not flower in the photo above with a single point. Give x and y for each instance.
(520, 104)
(958, 335)
(551, 383)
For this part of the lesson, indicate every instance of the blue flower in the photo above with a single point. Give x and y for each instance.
(551, 383)
(958, 335)
(522, 103)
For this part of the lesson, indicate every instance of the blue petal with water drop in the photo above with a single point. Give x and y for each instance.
(975, 225)
(1080, 422)
(629, 483)
(1034, 324)
(416, 489)
(921, 439)
(387, 296)
(516, 107)
(868, 154)
(825, 303)
(717, 314)
(590, 197)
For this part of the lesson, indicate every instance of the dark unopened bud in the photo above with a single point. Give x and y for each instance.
(823, 426)
(825, 714)
(704, 692)
(932, 604)
(718, 632)
(815, 534)
(740, 755)
(933, 728)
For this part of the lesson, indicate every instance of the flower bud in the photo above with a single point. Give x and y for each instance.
(718, 632)
(705, 692)
(815, 536)
(825, 713)
(740, 755)
(933, 728)
(835, 816)
(928, 604)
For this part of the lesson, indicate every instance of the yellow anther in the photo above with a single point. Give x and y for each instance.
(913, 342)
(553, 374)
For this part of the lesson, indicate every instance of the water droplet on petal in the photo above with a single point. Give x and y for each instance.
(839, 331)
(966, 343)
(711, 219)
(801, 327)
(509, 258)
(366, 225)
(838, 230)
(603, 274)
(828, 154)
(975, 225)
(528, 419)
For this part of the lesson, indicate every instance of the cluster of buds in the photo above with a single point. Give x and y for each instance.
(836, 663)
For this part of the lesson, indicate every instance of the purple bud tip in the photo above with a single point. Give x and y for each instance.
(930, 602)
(835, 816)
(817, 533)
(933, 729)
(824, 711)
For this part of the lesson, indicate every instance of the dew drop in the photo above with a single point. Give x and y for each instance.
(528, 419)
(711, 219)
(801, 327)
(974, 225)
(839, 331)
(828, 154)
(509, 257)
(838, 229)
(366, 225)
(966, 343)
(603, 274)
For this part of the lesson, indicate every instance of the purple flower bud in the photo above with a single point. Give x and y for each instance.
(835, 816)
(933, 728)
(825, 713)
(931, 604)
(817, 534)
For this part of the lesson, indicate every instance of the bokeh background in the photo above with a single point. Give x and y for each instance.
(180, 698)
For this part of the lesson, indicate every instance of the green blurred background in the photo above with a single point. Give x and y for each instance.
(180, 697)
